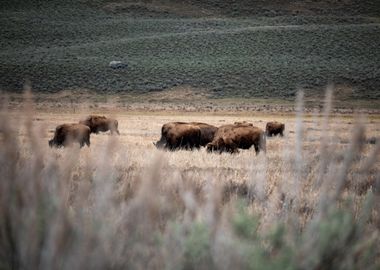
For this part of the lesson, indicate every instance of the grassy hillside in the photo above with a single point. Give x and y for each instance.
(69, 46)
(239, 8)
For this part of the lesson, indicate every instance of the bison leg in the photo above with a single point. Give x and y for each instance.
(172, 147)
(230, 146)
(210, 148)
(116, 127)
(114, 130)
(233, 149)
(257, 149)
(196, 146)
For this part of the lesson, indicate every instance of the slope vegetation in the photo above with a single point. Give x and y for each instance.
(258, 49)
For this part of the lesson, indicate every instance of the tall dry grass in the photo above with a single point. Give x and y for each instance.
(115, 207)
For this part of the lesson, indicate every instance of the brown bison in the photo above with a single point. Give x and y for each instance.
(229, 138)
(101, 123)
(179, 135)
(274, 128)
(66, 134)
(207, 132)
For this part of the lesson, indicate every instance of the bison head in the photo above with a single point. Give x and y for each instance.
(160, 144)
(216, 145)
(53, 143)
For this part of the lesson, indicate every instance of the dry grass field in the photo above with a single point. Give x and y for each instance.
(311, 202)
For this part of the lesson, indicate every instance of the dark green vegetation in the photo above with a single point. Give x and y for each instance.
(234, 50)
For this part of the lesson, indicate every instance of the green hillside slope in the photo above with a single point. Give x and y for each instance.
(68, 45)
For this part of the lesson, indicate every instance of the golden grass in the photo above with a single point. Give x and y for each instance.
(124, 204)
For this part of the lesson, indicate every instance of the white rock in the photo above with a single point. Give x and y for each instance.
(117, 64)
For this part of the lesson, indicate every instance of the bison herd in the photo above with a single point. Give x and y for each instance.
(66, 134)
(177, 135)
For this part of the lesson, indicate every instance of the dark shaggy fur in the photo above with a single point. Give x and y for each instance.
(275, 128)
(99, 123)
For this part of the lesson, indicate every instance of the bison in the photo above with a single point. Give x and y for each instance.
(101, 123)
(179, 135)
(229, 138)
(274, 128)
(66, 134)
(207, 132)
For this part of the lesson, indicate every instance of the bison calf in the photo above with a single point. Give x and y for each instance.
(98, 123)
(274, 128)
(66, 134)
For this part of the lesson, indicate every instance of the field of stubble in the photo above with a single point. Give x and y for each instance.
(310, 203)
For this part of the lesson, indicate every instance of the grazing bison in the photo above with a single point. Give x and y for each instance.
(274, 128)
(66, 134)
(207, 132)
(101, 123)
(229, 138)
(179, 135)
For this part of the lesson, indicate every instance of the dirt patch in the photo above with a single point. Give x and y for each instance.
(178, 99)
(179, 93)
